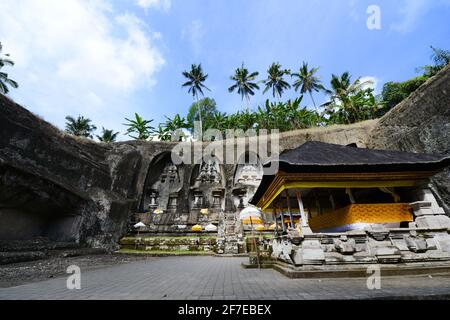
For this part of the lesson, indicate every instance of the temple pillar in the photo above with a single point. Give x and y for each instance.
(283, 225)
(276, 221)
(289, 209)
(305, 223)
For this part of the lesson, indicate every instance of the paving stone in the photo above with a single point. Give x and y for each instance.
(192, 278)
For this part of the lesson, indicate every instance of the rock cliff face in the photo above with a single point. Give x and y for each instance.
(420, 124)
(68, 189)
(60, 187)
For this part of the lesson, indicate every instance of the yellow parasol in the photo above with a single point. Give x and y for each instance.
(252, 216)
(273, 226)
(260, 228)
(197, 228)
(252, 220)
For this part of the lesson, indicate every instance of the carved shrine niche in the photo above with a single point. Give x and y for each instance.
(207, 188)
(247, 178)
(163, 185)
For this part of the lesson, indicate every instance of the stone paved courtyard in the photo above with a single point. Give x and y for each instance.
(218, 278)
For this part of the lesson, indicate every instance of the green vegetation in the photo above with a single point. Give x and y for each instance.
(195, 84)
(80, 127)
(108, 136)
(275, 80)
(203, 111)
(139, 128)
(166, 253)
(395, 92)
(308, 82)
(5, 81)
(349, 102)
(243, 82)
(203, 237)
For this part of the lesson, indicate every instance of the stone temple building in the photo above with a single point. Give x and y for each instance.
(341, 204)
(69, 191)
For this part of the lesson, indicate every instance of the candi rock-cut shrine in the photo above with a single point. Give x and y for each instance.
(367, 193)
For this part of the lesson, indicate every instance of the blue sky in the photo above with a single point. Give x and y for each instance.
(108, 59)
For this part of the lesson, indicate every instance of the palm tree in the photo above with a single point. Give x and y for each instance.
(195, 83)
(243, 83)
(108, 136)
(345, 95)
(308, 82)
(80, 127)
(5, 81)
(275, 80)
(163, 133)
(139, 126)
(342, 86)
(176, 123)
(220, 121)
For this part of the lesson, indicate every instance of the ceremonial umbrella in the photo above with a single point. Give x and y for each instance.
(251, 215)
(138, 226)
(274, 226)
(211, 227)
(197, 228)
(260, 228)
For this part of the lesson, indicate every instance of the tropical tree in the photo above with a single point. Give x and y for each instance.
(220, 121)
(204, 109)
(395, 92)
(440, 57)
(308, 82)
(275, 80)
(243, 82)
(138, 128)
(108, 136)
(163, 133)
(350, 101)
(5, 81)
(176, 123)
(196, 79)
(80, 127)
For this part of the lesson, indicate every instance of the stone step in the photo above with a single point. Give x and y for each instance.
(41, 244)
(24, 256)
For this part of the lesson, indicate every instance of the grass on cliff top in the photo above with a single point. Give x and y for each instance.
(165, 253)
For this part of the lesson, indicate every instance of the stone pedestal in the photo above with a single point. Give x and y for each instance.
(310, 253)
(429, 215)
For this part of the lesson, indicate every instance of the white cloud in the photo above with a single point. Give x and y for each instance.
(158, 4)
(369, 82)
(194, 33)
(78, 57)
(410, 11)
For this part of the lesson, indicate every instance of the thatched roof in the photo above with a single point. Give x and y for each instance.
(319, 154)
(319, 157)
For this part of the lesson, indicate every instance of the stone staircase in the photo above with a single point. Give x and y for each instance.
(229, 233)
